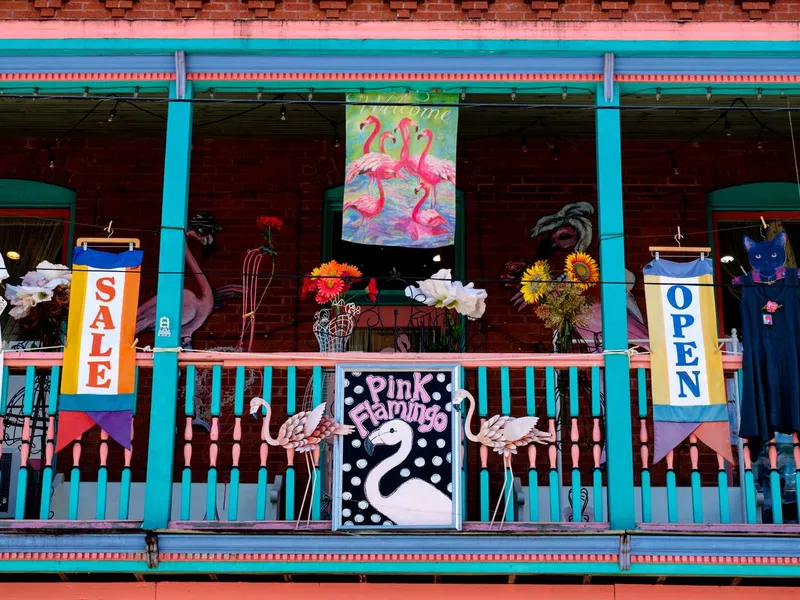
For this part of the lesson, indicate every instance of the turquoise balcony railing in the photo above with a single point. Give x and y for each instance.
(225, 475)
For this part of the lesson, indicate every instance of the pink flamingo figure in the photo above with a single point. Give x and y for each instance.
(433, 170)
(371, 163)
(427, 217)
(196, 308)
(503, 434)
(405, 162)
(302, 432)
(368, 207)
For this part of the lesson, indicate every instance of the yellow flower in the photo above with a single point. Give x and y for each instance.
(582, 269)
(535, 281)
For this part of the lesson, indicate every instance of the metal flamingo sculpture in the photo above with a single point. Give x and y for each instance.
(302, 432)
(196, 307)
(503, 434)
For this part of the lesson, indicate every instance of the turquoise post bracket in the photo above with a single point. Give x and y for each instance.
(172, 252)
(619, 433)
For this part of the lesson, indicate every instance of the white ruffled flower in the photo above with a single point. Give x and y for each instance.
(52, 271)
(441, 292)
(3, 272)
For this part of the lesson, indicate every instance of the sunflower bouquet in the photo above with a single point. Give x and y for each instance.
(561, 302)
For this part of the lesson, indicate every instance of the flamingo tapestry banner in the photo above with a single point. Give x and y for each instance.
(98, 382)
(401, 170)
(688, 383)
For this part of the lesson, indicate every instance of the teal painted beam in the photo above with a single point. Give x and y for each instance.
(163, 405)
(355, 46)
(619, 434)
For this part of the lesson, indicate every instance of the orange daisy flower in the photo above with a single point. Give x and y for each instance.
(330, 282)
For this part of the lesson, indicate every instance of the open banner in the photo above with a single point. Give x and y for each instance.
(401, 170)
(688, 383)
(98, 383)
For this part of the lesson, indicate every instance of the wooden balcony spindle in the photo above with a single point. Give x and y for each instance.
(533, 475)
(574, 450)
(213, 450)
(25, 445)
(554, 485)
(75, 480)
(262, 500)
(102, 479)
(125, 479)
(597, 448)
(236, 450)
(722, 489)
(697, 490)
(644, 450)
(796, 452)
(188, 435)
(775, 483)
(47, 472)
(291, 408)
(672, 489)
(749, 484)
(483, 412)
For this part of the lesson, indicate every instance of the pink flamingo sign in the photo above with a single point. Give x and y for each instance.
(401, 170)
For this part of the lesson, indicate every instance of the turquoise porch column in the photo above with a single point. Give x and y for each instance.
(163, 404)
(619, 435)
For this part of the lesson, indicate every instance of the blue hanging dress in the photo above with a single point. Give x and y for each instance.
(770, 399)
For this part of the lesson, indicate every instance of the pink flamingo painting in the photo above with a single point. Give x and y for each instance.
(433, 170)
(373, 164)
(427, 222)
(302, 432)
(368, 207)
(406, 163)
(196, 307)
(503, 434)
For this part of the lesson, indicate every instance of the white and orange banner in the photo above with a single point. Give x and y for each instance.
(98, 382)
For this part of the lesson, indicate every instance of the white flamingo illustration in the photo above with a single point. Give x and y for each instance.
(302, 432)
(414, 502)
(503, 434)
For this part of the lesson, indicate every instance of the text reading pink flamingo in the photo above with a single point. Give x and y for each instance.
(433, 170)
(302, 432)
(503, 434)
(372, 162)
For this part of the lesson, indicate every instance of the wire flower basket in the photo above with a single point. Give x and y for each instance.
(333, 327)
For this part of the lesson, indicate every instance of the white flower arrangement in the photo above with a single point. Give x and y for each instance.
(36, 287)
(440, 291)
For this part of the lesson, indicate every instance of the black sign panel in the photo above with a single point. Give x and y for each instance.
(401, 467)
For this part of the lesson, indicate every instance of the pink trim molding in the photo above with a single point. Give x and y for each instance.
(708, 78)
(494, 558)
(411, 30)
(718, 560)
(86, 76)
(117, 556)
(394, 76)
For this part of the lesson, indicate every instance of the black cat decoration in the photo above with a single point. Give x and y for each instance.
(768, 257)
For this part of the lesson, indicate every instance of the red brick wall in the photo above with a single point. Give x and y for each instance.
(506, 191)
(448, 10)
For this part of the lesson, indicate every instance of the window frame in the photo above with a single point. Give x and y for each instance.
(333, 201)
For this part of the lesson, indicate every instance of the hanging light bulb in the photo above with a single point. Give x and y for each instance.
(310, 94)
(728, 130)
(760, 141)
(85, 92)
(783, 93)
(513, 94)
(673, 163)
(136, 92)
(35, 93)
(759, 93)
(259, 94)
(658, 94)
(283, 112)
(708, 93)
(211, 93)
(564, 93)
(112, 114)
(336, 142)
(524, 147)
(463, 93)
(51, 161)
